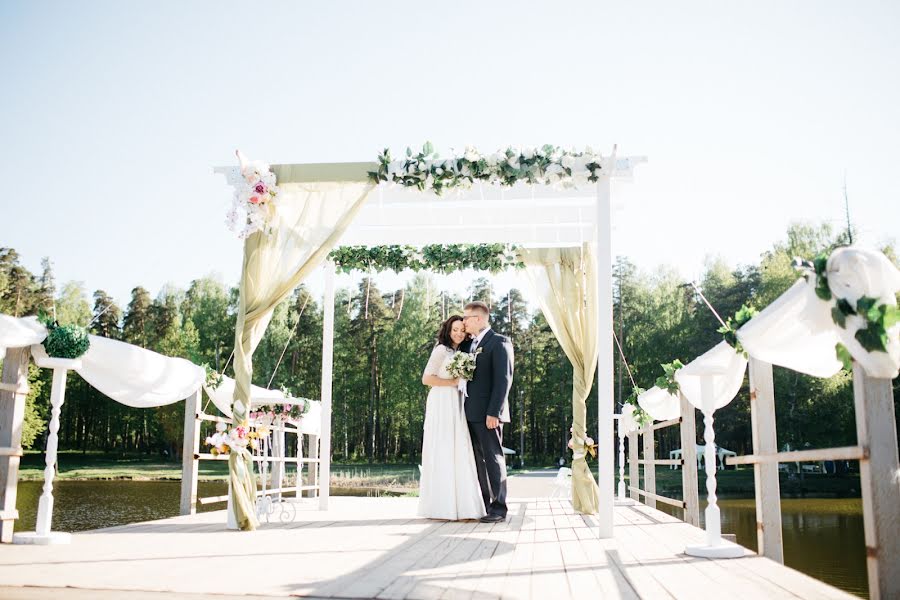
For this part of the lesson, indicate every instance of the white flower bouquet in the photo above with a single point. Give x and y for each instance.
(462, 366)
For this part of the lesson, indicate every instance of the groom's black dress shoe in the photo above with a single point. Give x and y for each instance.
(492, 519)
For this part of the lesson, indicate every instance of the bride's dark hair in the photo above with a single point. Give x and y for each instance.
(444, 332)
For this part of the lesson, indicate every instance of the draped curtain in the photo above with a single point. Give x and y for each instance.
(309, 220)
(565, 283)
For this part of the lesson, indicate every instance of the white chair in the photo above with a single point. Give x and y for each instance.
(562, 485)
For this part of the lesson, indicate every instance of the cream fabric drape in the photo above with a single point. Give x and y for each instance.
(309, 220)
(565, 282)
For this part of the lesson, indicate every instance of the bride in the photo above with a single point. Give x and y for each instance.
(448, 486)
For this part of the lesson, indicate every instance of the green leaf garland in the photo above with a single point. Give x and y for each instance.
(729, 330)
(667, 380)
(442, 258)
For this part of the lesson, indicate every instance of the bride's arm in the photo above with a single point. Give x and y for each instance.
(435, 381)
(430, 376)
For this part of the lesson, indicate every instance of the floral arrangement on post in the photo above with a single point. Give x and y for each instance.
(64, 341)
(213, 378)
(253, 207)
(278, 414)
(548, 164)
(225, 441)
(462, 365)
(589, 445)
(729, 330)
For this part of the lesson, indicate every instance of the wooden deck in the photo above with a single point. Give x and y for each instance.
(377, 548)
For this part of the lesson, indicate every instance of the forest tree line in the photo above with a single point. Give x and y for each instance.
(383, 340)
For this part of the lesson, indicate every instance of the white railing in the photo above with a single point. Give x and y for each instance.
(272, 453)
(879, 469)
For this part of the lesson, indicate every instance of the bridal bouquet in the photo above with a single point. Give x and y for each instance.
(462, 366)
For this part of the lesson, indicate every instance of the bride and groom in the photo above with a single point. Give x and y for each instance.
(463, 467)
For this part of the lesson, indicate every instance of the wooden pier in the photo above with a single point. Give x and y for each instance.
(378, 548)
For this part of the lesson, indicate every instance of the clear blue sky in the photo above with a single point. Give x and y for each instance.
(113, 113)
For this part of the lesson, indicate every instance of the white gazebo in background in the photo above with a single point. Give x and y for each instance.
(524, 215)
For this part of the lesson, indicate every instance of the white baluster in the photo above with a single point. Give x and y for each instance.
(43, 535)
(715, 547)
(621, 496)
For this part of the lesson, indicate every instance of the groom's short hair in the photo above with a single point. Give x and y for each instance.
(479, 306)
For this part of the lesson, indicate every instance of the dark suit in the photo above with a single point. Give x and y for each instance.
(487, 395)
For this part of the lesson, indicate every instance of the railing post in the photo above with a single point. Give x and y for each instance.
(877, 431)
(649, 468)
(765, 475)
(312, 469)
(634, 474)
(12, 418)
(189, 450)
(689, 485)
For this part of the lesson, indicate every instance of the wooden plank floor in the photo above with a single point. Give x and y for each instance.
(377, 548)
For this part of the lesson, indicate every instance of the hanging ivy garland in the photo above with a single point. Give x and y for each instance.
(641, 416)
(442, 258)
(548, 165)
(667, 380)
(729, 330)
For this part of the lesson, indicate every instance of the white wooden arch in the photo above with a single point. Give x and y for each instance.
(527, 215)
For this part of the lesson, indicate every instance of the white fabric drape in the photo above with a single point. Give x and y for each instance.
(720, 371)
(626, 419)
(223, 395)
(135, 376)
(19, 332)
(798, 332)
(660, 404)
(857, 272)
(795, 331)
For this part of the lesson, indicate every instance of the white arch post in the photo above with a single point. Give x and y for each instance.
(605, 440)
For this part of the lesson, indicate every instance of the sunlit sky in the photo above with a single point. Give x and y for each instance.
(112, 115)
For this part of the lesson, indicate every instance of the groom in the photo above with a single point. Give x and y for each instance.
(487, 407)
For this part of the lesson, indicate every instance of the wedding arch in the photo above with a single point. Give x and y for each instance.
(553, 205)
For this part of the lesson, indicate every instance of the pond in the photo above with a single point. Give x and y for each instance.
(822, 537)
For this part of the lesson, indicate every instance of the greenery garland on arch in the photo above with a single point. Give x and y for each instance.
(441, 258)
(549, 165)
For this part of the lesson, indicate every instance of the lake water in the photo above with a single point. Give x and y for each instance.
(822, 537)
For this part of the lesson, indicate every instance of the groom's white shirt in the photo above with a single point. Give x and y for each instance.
(462, 385)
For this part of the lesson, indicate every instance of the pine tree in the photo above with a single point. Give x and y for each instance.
(136, 323)
(107, 316)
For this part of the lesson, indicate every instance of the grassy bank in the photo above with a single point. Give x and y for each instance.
(401, 477)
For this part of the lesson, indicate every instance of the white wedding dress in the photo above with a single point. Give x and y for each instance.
(448, 485)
